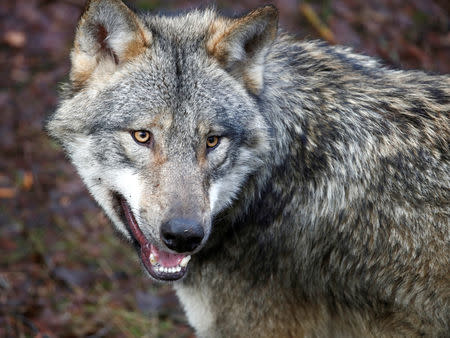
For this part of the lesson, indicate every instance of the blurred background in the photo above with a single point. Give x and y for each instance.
(63, 271)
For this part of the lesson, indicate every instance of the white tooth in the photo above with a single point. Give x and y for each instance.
(161, 269)
(185, 261)
(166, 270)
(153, 259)
(178, 268)
(172, 270)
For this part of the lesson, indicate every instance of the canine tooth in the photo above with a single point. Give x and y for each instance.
(153, 259)
(185, 261)
(178, 268)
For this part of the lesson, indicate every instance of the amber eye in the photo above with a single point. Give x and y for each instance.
(212, 141)
(141, 136)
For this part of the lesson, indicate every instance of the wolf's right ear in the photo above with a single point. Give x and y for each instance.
(240, 45)
(108, 35)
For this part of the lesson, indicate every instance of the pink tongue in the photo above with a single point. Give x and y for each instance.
(167, 259)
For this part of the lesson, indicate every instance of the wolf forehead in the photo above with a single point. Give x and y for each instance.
(174, 76)
(149, 98)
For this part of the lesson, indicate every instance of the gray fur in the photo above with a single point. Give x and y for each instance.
(332, 178)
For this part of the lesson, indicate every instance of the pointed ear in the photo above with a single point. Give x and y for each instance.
(240, 45)
(108, 35)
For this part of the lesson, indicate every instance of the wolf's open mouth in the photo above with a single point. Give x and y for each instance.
(160, 264)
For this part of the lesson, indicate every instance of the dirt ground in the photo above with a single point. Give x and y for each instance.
(63, 272)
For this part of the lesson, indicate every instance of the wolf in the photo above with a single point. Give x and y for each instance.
(284, 188)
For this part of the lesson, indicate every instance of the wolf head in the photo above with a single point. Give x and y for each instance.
(161, 120)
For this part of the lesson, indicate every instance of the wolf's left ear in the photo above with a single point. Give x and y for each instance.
(240, 45)
(108, 35)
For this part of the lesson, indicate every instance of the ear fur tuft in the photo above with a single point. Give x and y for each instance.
(240, 45)
(108, 35)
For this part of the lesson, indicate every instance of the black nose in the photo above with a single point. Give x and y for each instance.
(182, 235)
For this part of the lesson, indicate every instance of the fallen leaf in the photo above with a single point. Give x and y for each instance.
(27, 181)
(7, 192)
(15, 39)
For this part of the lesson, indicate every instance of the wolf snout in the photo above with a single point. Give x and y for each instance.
(182, 235)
